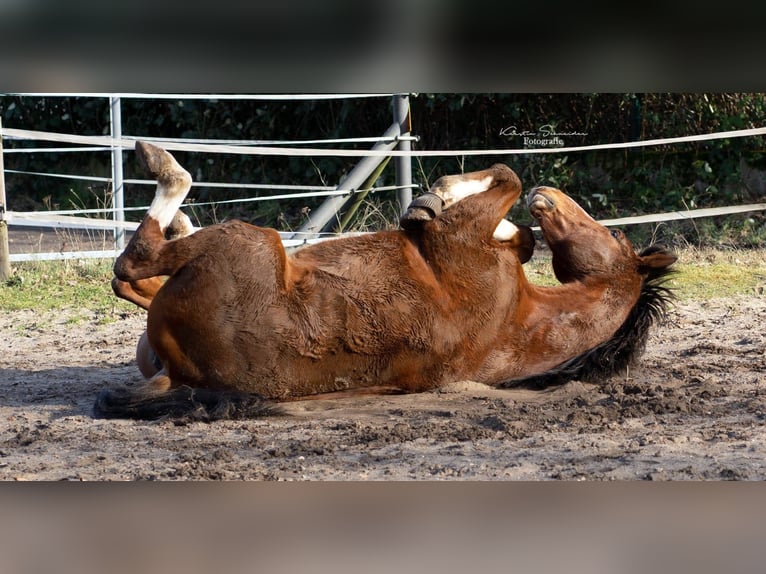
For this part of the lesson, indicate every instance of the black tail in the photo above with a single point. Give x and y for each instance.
(616, 355)
(181, 403)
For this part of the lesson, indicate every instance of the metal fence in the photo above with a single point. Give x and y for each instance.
(394, 143)
(396, 137)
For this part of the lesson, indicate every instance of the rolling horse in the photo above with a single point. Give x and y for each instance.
(239, 326)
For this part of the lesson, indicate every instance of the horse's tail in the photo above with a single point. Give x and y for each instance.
(181, 403)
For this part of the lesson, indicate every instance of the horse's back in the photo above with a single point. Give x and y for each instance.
(390, 290)
(248, 317)
(214, 306)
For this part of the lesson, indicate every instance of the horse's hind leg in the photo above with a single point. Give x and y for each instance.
(173, 183)
(143, 257)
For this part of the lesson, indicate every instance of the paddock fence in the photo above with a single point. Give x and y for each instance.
(394, 144)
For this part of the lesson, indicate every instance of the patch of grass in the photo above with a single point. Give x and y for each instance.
(710, 273)
(56, 285)
(539, 271)
(719, 280)
(700, 273)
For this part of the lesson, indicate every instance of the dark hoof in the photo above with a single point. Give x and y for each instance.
(415, 216)
(155, 160)
(422, 208)
(526, 246)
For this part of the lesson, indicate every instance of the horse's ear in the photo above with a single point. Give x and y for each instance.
(655, 259)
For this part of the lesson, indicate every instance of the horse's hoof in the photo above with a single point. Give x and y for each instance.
(163, 167)
(414, 216)
(423, 208)
(154, 160)
(526, 240)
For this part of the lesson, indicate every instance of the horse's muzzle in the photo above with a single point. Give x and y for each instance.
(537, 200)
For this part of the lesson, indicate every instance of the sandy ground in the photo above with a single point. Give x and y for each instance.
(695, 409)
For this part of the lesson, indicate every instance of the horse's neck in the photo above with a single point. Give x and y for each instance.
(564, 321)
(460, 257)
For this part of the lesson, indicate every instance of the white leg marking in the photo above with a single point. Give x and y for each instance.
(505, 230)
(169, 197)
(462, 189)
(183, 225)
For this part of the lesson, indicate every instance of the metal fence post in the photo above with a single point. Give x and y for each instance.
(403, 164)
(356, 177)
(5, 257)
(118, 200)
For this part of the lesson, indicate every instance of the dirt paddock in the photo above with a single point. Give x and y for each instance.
(695, 409)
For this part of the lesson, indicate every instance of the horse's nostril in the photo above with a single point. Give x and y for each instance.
(536, 199)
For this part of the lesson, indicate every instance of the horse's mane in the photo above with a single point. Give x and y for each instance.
(620, 352)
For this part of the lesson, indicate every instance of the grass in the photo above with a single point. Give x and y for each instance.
(701, 273)
(709, 273)
(84, 286)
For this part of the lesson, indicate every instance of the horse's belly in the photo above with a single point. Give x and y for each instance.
(297, 376)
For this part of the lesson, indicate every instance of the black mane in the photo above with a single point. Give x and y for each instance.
(614, 356)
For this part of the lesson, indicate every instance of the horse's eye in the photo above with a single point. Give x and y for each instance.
(616, 233)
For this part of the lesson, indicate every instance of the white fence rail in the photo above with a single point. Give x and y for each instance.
(396, 136)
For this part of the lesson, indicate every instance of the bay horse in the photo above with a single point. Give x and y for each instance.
(239, 326)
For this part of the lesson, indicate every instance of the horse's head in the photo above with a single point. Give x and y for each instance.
(600, 263)
(477, 201)
(584, 249)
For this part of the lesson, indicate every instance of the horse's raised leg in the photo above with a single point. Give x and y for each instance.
(179, 387)
(133, 281)
(143, 257)
(451, 189)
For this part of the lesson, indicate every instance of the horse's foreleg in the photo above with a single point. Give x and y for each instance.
(518, 238)
(139, 292)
